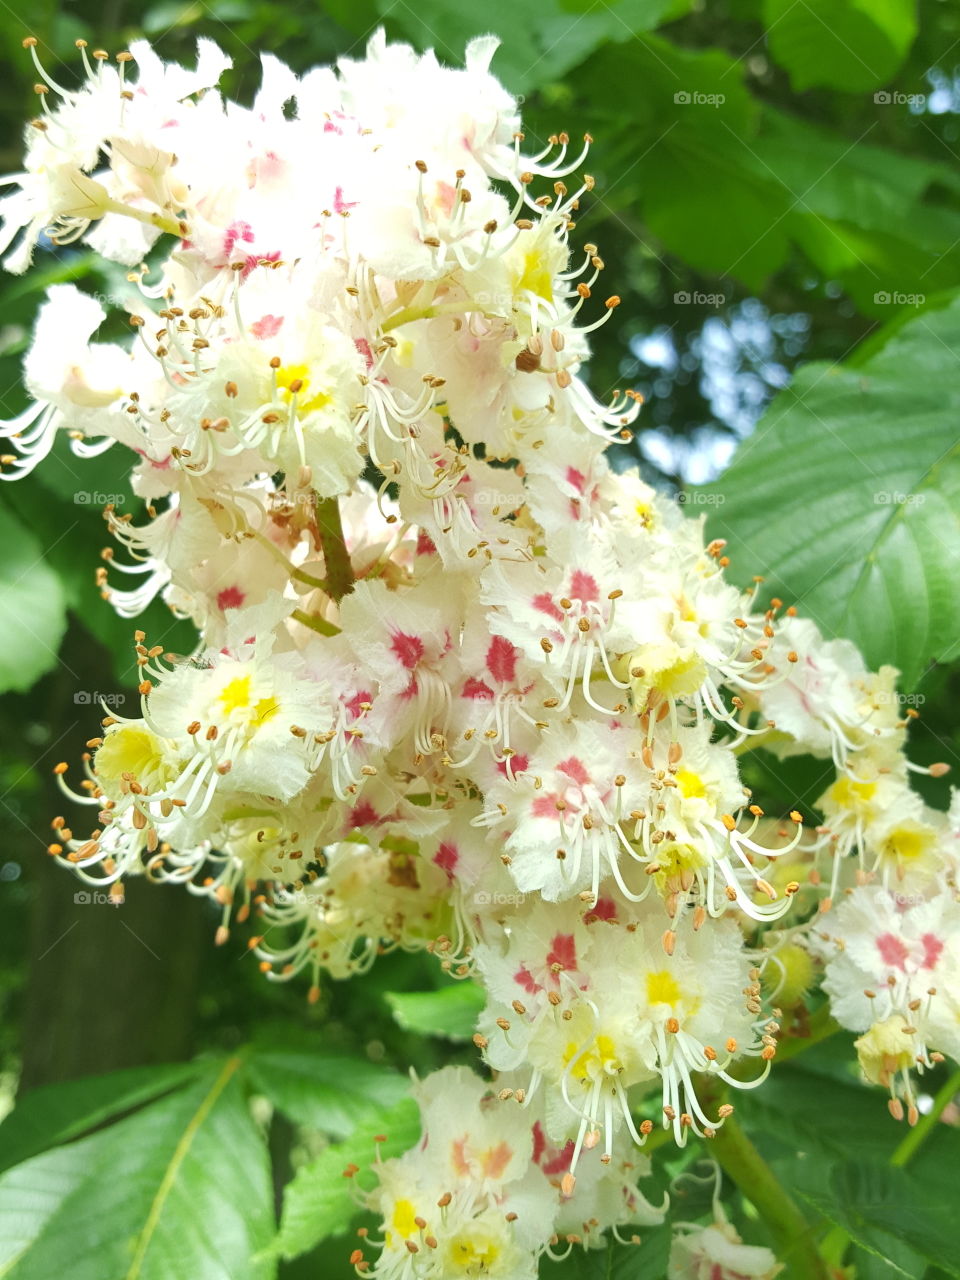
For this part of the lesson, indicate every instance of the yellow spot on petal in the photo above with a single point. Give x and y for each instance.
(404, 1216)
(601, 1058)
(265, 709)
(473, 1254)
(909, 842)
(235, 695)
(132, 750)
(663, 988)
(847, 793)
(307, 399)
(692, 786)
(534, 276)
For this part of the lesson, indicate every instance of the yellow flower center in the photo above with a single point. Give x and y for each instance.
(235, 696)
(909, 842)
(663, 988)
(847, 793)
(135, 751)
(300, 374)
(691, 785)
(404, 1219)
(600, 1059)
(535, 276)
(473, 1256)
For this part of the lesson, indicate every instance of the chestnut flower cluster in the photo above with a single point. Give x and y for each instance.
(460, 685)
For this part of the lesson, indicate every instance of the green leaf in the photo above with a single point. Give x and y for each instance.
(180, 1189)
(884, 1210)
(56, 1113)
(619, 1261)
(854, 45)
(320, 1201)
(847, 497)
(56, 503)
(685, 161)
(32, 605)
(792, 1105)
(331, 1093)
(538, 46)
(451, 1012)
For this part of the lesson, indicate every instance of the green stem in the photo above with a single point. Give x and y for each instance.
(301, 575)
(315, 623)
(916, 1136)
(336, 558)
(796, 1245)
(408, 314)
(173, 226)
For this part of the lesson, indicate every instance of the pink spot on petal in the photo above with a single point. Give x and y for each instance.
(524, 977)
(363, 814)
(409, 649)
(606, 909)
(474, 688)
(563, 951)
(518, 764)
(544, 603)
(425, 544)
(230, 598)
(539, 1142)
(266, 326)
(339, 204)
(544, 807)
(893, 950)
(575, 770)
(502, 660)
(932, 950)
(354, 704)
(237, 231)
(576, 479)
(446, 858)
(560, 1161)
(583, 586)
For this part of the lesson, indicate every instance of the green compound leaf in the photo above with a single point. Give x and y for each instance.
(847, 497)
